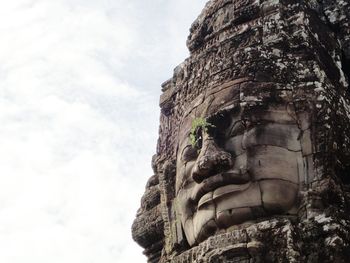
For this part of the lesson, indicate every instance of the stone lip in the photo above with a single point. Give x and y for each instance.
(235, 181)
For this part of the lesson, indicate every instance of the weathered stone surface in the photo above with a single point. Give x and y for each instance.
(266, 176)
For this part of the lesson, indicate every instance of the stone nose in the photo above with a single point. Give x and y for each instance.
(211, 161)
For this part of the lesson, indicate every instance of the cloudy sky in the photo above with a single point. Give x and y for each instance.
(79, 88)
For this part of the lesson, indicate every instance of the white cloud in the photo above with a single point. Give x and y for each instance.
(79, 87)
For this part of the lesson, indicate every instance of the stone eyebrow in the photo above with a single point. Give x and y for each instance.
(216, 117)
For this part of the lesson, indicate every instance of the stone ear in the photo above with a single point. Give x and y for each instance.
(167, 177)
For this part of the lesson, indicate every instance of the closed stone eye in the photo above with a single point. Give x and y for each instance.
(238, 128)
(189, 153)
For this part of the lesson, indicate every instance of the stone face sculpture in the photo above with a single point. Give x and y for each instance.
(253, 157)
(248, 166)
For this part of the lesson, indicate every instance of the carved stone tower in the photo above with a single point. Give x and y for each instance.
(253, 156)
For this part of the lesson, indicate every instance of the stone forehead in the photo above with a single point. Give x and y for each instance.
(258, 59)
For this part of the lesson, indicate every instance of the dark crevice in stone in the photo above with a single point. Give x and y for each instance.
(345, 63)
(344, 175)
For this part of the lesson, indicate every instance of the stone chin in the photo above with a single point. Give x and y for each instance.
(232, 205)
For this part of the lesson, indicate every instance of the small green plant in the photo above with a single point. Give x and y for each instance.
(198, 125)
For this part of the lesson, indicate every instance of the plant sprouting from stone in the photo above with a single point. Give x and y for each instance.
(199, 125)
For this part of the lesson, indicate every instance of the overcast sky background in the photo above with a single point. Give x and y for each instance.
(79, 90)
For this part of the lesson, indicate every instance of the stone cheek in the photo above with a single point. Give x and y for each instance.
(277, 195)
(270, 162)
